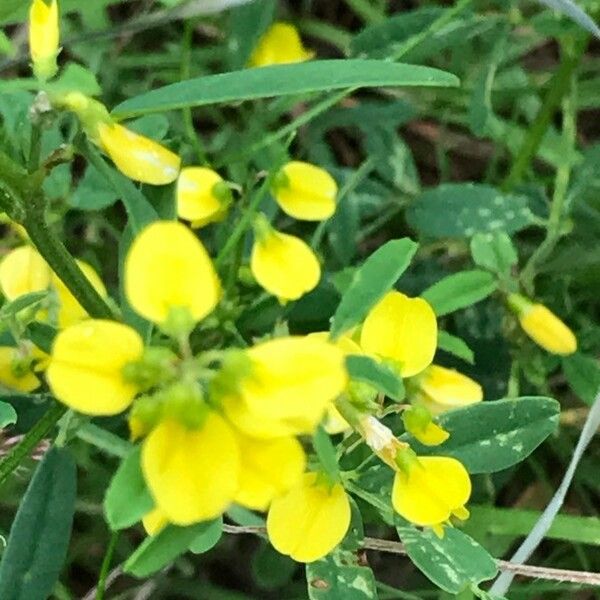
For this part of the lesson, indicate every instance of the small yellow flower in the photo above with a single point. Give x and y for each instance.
(440, 389)
(192, 473)
(86, 365)
(137, 156)
(23, 271)
(44, 38)
(418, 422)
(310, 520)
(428, 490)
(291, 383)
(202, 196)
(305, 192)
(154, 521)
(16, 376)
(283, 264)
(168, 268)
(543, 326)
(403, 330)
(269, 468)
(281, 44)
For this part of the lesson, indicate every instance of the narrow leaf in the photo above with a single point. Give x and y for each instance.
(382, 377)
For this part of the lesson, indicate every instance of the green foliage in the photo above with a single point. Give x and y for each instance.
(381, 376)
(8, 416)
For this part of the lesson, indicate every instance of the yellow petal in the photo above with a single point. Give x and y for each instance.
(430, 490)
(281, 44)
(444, 389)
(23, 271)
(196, 200)
(310, 520)
(306, 192)
(154, 521)
(44, 37)
(22, 382)
(193, 474)
(137, 156)
(167, 268)
(431, 435)
(402, 329)
(284, 265)
(268, 469)
(70, 311)
(547, 330)
(86, 365)
(334, 422)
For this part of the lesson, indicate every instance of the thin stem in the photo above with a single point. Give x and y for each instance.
(104, 569)
(366, 11)
(35, 148)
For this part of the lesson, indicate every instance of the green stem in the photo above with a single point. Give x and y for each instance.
(31, 440)
(366, 11)
(104, 569)
(35, 148)
(328, 33)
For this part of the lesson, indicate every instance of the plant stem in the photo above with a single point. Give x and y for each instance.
(35, 148)
(365, 10)
(104, 569)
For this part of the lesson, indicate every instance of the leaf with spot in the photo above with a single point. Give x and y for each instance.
(494, 251)
(461, 210)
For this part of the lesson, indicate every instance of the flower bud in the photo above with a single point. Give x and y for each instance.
(417, 421)
(23, 271)
(44, 38)
(281, 44)
(202, 196)
(16, 371)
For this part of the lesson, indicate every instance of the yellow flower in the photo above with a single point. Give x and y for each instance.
(154, 521)
(284, 265)
(44, 38)
(418, 422)
(138, 157)
(305, 192)
(70, 311)
(269, 468)
(428, 490)
(192, 473)
(440, 389)
(281, 44)
(403, 330)
(23, 271)
(168, 268)
(86, 365)
(291, 382)
(14, 375)
(543, 326)
(202, 196)
(310, 520)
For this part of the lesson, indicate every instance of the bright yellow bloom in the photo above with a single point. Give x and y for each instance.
(291, 383)
(281, 44)
(440, 389)
(137, 156)
(168, 268)
(70, 311)
(14, 376)
(44, 38)
(305, 192)
(543, 326)
(310, 520)
(269, 468)
(418, 422)
(154, 521)
(23, 271)
(86, 365)
(202, 196)
(193, 474)
(403, 330)
(284, 265)
(428, 490)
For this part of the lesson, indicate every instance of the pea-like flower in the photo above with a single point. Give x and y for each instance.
(283, 264)
(16, 372)
(402, 330)
(304, 191)
(168, 269)
(203, 196)
(310, 520)
(44, 38)
(137, 156)
(280, 44)
(23, 271)
(87, 363)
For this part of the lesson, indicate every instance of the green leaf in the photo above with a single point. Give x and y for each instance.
(453, 563)
(208, 538)
(326, 453)
(381, 376)
(492, 436)
(455, 346)
(583, 374)
(162, 549)
(127, 499)
(10, 309)
(8, 415)
(94, 192)
(42, 335)
(39, 537)
(282, 80)
(574, 12)
(75, 78)
(463, 209)
(459, 291)
(494, 251)
(376, 276)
